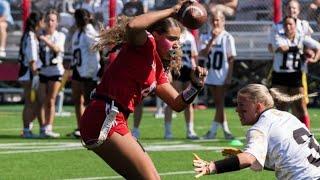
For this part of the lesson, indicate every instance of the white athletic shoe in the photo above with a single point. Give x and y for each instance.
(49, 134)
(135, 133)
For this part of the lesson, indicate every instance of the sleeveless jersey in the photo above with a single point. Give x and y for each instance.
(292, 61)
(217, 61)
(29, 50)
(86, 60)
(52, 62)
(189, 48)
(279, 141)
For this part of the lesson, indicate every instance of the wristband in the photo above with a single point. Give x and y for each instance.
(190, 93)
(227, 165)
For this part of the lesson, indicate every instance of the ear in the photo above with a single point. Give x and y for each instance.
(260, 107)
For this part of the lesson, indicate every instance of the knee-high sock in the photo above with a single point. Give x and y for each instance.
(305, 120)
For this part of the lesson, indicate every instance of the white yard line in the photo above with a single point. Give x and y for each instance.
(35, 128)
(120, 177)
(36, 147)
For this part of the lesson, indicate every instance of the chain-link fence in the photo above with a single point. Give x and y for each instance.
(250, 25)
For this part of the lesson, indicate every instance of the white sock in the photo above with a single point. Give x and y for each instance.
(214, 127)
(167, 127)
(30, 125)
(225, 127)
(48, 127)
(190, 129)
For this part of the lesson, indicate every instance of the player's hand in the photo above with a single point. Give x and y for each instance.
(230, 151)
(202, 167)
(35, 82)
(198, 76)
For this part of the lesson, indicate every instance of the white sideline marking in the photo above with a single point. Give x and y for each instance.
(120, 177)
(36, 147)
(20, 129)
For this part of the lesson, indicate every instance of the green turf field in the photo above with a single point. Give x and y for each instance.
(65, 158)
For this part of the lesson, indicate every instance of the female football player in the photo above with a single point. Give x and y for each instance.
(51, 55)
(29, 65)
(289, 64)
(276, 140)
(220, 50)
(149, 46)
(86, 63)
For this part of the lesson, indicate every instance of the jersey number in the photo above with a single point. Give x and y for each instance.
(77, 60)
(295, 62)
(312, 158)
(42, 56)
(216, 61)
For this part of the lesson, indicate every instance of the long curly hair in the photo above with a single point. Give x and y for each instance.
(115, 36)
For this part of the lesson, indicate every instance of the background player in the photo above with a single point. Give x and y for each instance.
(126, 81)
(51, 54)
(220, 50)
(276, 140)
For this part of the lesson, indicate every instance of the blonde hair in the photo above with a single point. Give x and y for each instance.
(259, 93)
(113, 36)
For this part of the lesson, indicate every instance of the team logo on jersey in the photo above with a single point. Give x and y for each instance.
(145, 92)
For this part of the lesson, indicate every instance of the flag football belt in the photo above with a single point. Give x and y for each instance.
(112, 109)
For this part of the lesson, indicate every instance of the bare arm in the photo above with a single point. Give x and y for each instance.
(50, 44)
(136, 27)
(205, 168)
(230, 71)
(177, 101)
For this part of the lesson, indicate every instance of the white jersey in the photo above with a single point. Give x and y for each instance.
(279, 141)
(217, 61)
(85, 59)
(29, 52)
(303, 28)
(189, 48)
(52, 62)
(292, 61)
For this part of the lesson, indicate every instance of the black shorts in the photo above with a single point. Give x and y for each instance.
(46, 79)
(184, 75)
(76, 76)
(287, 79)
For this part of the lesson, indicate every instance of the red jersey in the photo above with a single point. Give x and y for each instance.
(135, 73)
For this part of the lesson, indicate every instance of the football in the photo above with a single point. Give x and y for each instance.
(192, 14)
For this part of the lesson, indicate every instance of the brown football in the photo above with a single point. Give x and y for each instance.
(192, 14)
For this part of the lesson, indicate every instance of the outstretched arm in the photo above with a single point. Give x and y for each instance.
(234, 163)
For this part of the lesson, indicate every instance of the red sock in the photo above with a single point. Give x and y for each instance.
(305, 120)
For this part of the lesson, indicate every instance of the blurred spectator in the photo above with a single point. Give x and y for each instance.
(85, 63)
(133, 8)
(51, 50)
(29, 63)
(228, 7)
(5, 18)
(314, 11)
(90, 5)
